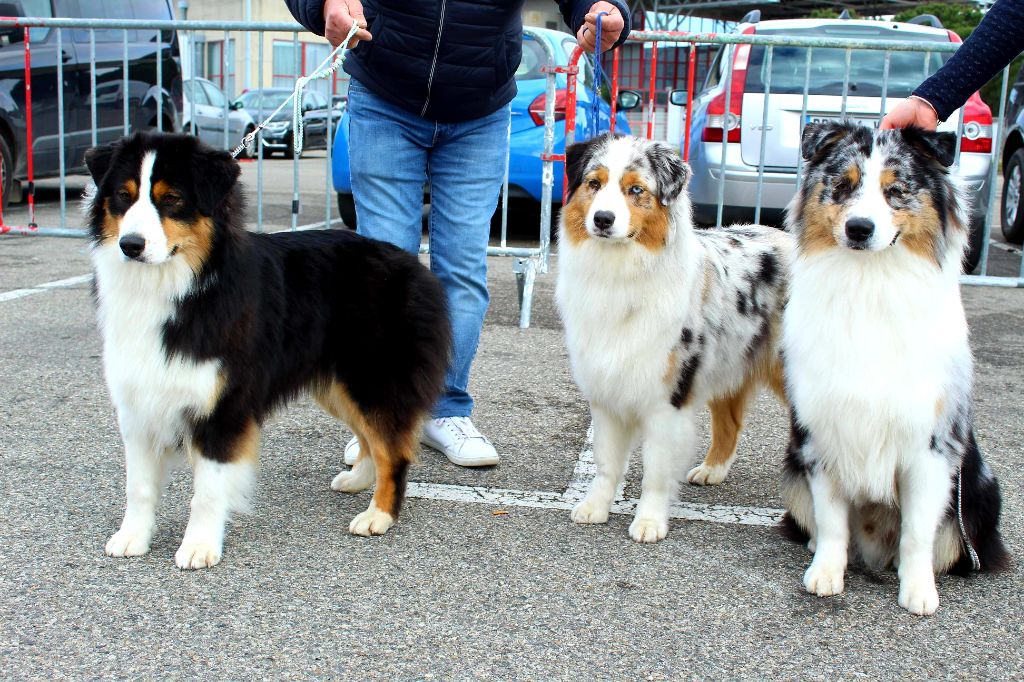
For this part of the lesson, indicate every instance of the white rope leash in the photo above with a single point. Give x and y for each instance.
(324, 70)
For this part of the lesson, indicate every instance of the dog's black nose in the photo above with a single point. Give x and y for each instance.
(859, 229)
(132, 245)
(603, 220)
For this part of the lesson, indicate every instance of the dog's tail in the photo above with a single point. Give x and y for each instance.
(980, 507)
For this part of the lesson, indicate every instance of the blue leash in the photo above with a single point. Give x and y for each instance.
(595, 110)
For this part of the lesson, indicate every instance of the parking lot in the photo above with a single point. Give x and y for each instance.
(484, 576)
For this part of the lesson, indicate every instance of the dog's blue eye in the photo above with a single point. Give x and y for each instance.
(636, 190)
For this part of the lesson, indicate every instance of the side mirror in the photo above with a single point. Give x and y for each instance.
(236, 105)
(628, 99)
(678, 98)
(11, 34)
(308, 106)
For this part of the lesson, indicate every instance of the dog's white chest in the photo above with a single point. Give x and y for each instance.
(149, 388)
(869, 364)
(619, 333)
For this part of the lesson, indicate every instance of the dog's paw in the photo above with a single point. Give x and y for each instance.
(193, 555)
(919, 596)
(648, 529)
(823, 580)
(371, 522)
(350, 482)
(707, 475)
(128, 542)
(589, 511)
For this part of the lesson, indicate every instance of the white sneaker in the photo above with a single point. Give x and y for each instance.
(352, 451)
(460, 442)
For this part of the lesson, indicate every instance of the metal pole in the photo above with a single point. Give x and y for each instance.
(764, 134)
(124, 83)
(295, 157)
(992, 171)
(846, 82)
(224, 80)
(803, 120)
(160, 81)
(259, 141)
(60, 130)
(728, 56)
(28, 132)
(92, 83)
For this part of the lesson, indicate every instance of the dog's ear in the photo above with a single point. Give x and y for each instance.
(939, 147)
(98, 159)
(670, 172)
(820, 138)
(214, 174)
(577, 156)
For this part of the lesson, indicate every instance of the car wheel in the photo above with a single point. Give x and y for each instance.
(347, 209)
(6, 174)
(1012, 214)
(249, 150)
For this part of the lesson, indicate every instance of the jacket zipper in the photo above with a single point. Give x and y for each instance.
(433, 64)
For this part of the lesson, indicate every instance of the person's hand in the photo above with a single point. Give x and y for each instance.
(611, 27)
(339, 16)
(912, 111)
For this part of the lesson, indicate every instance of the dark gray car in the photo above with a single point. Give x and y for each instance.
(317, 114)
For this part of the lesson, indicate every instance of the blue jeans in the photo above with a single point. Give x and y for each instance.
(392, 153)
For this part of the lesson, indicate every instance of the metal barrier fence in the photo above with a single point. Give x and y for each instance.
(528, 261)
(721, 157)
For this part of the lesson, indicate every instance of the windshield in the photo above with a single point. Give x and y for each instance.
(828, 65)
(273, 99)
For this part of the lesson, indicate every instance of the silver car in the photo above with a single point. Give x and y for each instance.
(203, 107)
(824, 101)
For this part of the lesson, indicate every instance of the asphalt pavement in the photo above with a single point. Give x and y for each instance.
(484, 576)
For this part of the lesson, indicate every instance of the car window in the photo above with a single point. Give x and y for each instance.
(271, 98)
(828, 65)
(533, 59)
(37, 8)
(215, 96)
(195, 92)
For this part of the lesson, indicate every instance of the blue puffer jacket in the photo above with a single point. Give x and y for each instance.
(445, 60)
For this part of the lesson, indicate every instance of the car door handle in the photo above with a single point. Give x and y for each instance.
(65, 57)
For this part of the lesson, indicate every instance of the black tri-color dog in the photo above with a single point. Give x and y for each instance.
(208, 328)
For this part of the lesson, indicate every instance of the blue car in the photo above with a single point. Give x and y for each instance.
(527, 133)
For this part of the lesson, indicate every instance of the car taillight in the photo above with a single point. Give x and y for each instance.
(718, 119)
(977, 136)
(536, 108)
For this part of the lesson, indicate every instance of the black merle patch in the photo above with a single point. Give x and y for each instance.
(684, 385)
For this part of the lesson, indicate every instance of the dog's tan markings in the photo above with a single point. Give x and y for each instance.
(392, 451)
(193, 241)
(574, 214)
(819, 223)
(887, 177)
(648, 218)
(132, 188)
(160, 190)
(852, 175)
(673, 368)
(111, 228)
(920, 230)
(726, 423)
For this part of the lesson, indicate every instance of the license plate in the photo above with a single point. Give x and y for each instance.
(867, 122)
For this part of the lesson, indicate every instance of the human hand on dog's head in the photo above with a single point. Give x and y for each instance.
(339, 15)
(913, 111)
(611, 27)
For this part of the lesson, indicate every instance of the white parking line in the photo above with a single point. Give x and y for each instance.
(582, 473)
(44, 287)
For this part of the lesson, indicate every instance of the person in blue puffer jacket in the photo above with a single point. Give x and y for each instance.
(429, 101)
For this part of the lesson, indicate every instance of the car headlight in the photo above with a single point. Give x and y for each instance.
(278, 126)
